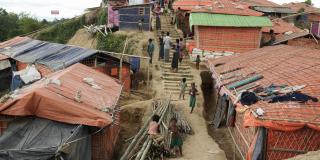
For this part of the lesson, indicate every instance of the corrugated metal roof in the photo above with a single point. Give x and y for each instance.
(13, 41)
(52, 55)
(219, 6)
(56, 102)
(221, 20)
(281, 26)
(291, 36)
(3, 57)
(189, 5)
(297, 7)
(273, 9)
(260, 3)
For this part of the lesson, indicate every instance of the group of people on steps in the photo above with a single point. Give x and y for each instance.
(165, 45)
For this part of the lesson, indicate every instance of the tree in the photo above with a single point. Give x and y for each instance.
(27, 23)
(309, 2)
(13, 25)
(8, 25)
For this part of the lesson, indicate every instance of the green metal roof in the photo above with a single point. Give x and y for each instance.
(225, 20)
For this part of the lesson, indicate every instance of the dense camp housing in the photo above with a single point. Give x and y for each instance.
(269, 99)
(78, 103)
(50, 57)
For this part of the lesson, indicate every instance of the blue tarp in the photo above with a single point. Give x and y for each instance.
(22, 48)
(54, 56)
(135, 63)
(39, 53)
(66, 57)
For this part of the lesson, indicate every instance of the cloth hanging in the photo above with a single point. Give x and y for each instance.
(135, 64)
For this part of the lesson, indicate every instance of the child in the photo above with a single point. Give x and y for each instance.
(140, 24)
(198, 62)
(183, 86)
(176, 140)
(154, 130)
(193, 92)
(150, 50)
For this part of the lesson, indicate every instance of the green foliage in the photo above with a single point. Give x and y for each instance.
(102, 17)
(111, 43)
(62, 31)
(309, 2)
(13, 25)
(28, 24)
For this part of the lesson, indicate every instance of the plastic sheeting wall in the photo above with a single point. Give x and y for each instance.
(36, 138)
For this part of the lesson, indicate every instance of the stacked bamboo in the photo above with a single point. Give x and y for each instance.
(140, 145)
(183, 125)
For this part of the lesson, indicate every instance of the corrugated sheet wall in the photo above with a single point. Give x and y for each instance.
(129, 18)
(228, 38)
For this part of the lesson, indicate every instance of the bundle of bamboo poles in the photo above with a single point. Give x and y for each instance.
(139, 147)
(183, 125)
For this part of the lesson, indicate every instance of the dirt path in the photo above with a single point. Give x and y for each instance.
(199, 146)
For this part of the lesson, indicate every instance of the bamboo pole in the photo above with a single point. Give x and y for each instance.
(141, 131)
(142, 150)
(148, 78)
(146, 150)
(121, 60)
(128, 55)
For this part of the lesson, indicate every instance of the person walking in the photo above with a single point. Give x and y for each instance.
(167, 46)
(161, 47)
(198, 60)
(182, 49)
(158, 20)
(175, 58)
(193, 93)
(140, 24)
(150, 50)
(183, 85)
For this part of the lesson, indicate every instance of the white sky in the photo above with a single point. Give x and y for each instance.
(69, 8)
(315, 2)
(42, 8)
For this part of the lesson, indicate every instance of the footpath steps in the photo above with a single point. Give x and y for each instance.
(171, 79)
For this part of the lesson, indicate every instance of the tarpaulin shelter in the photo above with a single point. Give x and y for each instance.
(270, 100)
(77, 95)
(36, 138)
(49, 57)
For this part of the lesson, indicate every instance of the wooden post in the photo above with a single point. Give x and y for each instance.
(148, 78)
(121, 60)
(95, 61)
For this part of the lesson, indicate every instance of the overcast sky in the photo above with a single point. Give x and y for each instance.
(68, 8)
(42, 8)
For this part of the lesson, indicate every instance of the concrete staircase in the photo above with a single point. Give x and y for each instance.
(170, 79)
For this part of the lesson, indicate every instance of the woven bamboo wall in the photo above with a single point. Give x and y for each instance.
(233, 39)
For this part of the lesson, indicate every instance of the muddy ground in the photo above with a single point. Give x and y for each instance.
(220, 135)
